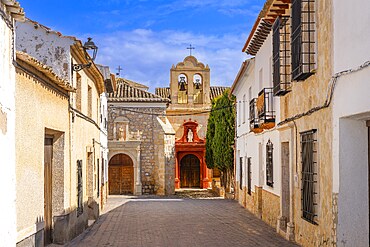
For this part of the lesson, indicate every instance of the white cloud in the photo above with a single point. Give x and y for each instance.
(147, 56)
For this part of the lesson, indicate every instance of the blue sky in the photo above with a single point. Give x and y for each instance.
(145, 37)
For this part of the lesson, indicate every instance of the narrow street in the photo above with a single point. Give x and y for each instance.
(177, 221)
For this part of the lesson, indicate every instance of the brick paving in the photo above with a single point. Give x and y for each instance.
(174, 221)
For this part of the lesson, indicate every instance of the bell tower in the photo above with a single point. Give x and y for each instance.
(190, 84)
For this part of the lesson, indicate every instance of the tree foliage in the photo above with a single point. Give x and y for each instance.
(220, 137)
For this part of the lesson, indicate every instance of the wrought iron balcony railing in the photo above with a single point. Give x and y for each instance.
(265, 108)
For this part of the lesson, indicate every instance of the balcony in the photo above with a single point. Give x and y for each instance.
(265, 108)
(253, 117)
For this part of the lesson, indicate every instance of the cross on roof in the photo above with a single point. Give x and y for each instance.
(190, 48)
(119, 70)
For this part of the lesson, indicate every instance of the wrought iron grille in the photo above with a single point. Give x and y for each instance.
(303, 38)
(281, 56)
(253, 117)
(269, 164)
(79, 188)
(265, 106)
(249, 172)
(309, 188)
(240, 173)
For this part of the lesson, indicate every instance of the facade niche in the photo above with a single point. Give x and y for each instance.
(120, 129)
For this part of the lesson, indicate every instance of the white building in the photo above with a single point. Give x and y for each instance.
(258, 151)
(9, 12)
(80, 182)
(110, 85)
(351, 121)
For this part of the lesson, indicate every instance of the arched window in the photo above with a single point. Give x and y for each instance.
(198, 89)
(182, 97)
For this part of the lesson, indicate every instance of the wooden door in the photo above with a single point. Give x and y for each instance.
(48, 157)
(127, 182)
(114, 180)
(121, 175)
(190, 172)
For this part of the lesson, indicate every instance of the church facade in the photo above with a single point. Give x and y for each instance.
(190, 95)
(140, 140)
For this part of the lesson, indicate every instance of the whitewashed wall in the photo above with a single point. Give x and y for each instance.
(104, 135)
(7, 137)
(242, 89)
(351, 110)
(351, 33)
(49, 47)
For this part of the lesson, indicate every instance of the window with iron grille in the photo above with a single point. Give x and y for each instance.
(303, 38)
(281, 56)
(309, 190)
(79, 188)
(253, 115)
(249, 173)
(240, 173)
(269, 164)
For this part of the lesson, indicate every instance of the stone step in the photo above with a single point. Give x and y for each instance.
(194, 193)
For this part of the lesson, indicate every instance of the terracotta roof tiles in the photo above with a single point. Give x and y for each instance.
(128, 93)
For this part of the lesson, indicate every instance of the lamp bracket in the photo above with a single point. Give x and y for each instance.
(78, 67)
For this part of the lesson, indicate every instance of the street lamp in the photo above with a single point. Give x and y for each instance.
(90, 50)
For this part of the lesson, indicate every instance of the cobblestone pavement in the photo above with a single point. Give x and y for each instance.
(174, 221)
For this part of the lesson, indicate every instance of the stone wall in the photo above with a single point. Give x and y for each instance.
(156, 165)
(169, 144)
(270, 208)
(304, 96)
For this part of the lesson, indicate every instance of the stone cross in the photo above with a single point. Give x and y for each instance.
(190, 48)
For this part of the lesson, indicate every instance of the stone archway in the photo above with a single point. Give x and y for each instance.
(190, 171)
(121, 175)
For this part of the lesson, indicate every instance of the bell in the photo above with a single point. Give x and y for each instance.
(182, 86)
(182, 83)
(197, 84)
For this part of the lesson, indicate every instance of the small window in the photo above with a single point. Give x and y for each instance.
(269, 164)
(243, 111)
(249, 173)
(78, 92)
(309, 190)
(79, 188)
(303, 39)
(241, 173)
(89, 101)
(239, 113)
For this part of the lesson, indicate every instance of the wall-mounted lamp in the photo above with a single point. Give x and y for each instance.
(182, 83)
(90, 50)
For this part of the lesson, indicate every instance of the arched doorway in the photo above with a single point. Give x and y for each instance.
(121, 175)
(190, 171)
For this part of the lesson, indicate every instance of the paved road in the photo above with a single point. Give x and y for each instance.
(176, 222)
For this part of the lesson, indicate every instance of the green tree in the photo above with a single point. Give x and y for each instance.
(220, 138)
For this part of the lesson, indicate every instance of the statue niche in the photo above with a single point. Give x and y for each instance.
(190, 133)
